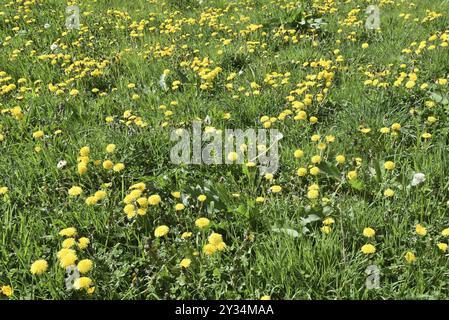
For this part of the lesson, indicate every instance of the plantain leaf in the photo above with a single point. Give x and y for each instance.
(287, 231)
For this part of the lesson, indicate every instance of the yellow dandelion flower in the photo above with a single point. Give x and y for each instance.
(6, 290)
(316, 159)
(410, 257)
(312, 194)
(221, 246)
(389, 165)
(298, 153)
(38, 134)
(110, 148)
(84, 265)
(179, 207)
(186, 235)
(68, 232)
(75, 191)
(389, 193)
(100, 194)
(233, 156)
(352, 175)
(445, 232)
(185, 263)
(108, 164)
(314, 171)
(301, 172)
(68, 243)
(209, 249)
(118, 167)
(420, 230)
(39, 267)
(154, 199)
(215, 238)
(340, 159)
(82, 283)
(326, 229)
(369, 232)
(202, 222)
(68, 259)
(442, 246)
(83, 242)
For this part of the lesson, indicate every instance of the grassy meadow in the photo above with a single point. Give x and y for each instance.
(87, 183)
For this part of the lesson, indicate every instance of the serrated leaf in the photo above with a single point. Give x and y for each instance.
(356, 184)
(330, 170)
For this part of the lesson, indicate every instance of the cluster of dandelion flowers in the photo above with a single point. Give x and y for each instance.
(327, 223)
(136, 202)
(68, 257)
(215, 243)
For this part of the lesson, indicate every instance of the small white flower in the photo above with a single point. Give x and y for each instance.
(47, 25)
(61, 164)
(418, 178)
(53, 47)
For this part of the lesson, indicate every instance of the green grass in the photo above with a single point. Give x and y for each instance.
(129, 262)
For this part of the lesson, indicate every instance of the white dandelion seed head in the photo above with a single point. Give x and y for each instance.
(418, 178)
(53, 47)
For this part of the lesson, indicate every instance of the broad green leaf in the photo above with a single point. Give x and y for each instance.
(290, 232)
